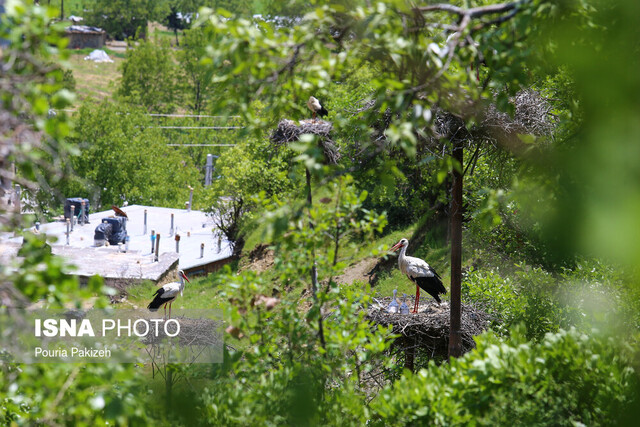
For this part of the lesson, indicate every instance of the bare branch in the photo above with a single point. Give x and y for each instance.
(473, 12)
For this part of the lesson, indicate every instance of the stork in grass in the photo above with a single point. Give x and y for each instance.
(420, 273)
(316, 108)
(167, 294)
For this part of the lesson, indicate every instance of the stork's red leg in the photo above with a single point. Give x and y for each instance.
(170, 309)
(165, 311)
(417, 302)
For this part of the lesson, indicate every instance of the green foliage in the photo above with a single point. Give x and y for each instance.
(123, 19)
(598, 197)
(121, 156)
(43, 276)
(244, 171)
(71, 394)
(287, 375)
(53, 394)
(386, 54)
(198, 77)
(530, 297)
(149, 77)
(567, 378)
(188, 9)
(590, 295)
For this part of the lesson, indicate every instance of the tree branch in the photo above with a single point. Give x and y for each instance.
(473, 12)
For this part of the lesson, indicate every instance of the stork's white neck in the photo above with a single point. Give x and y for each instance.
(401, 257)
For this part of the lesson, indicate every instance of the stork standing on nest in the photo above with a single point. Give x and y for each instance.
(167, 293)
(420, 273)
(316, 108)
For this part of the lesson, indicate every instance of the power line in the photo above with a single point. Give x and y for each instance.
(160, 115)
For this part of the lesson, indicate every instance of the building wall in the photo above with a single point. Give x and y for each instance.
(82, 40)
(203, 270)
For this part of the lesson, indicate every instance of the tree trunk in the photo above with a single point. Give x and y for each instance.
(455, 348)
(314, 268)
(409, 357)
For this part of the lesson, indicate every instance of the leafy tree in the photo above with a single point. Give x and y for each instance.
(31, 82)
(122, 156)
(199, 76)
(280, 9)
(425, 87)
(286, 376)
(188, 9)
(123, 19)
(244, 173)
(149, 77)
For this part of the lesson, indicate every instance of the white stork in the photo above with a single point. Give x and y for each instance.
(420, 273)
(167, 293)
(316, 108)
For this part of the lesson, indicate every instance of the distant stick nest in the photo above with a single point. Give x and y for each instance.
(532, 114)
(289, 131)
(193, 332)
(428, 330)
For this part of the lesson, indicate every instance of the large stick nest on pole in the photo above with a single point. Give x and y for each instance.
(428, 330)
(288, 131)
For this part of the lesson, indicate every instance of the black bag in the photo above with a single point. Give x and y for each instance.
(77, 203)
(103, 234)
(118, 229)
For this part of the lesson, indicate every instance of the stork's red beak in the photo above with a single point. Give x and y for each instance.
(396, 246)
(185, 277)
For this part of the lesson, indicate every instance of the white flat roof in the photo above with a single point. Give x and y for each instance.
(194, 228)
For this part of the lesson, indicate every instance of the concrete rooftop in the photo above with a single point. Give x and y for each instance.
(194, 228)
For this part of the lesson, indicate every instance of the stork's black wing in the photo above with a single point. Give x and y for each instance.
(158, 300)
(431, 284)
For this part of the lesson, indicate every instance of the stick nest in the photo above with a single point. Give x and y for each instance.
(428, 330)
(199, 332)
(288, 131)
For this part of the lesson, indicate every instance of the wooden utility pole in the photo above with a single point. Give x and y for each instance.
(455, 344)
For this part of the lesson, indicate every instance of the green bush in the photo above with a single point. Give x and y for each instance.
(591, 295)
(530, 297)
(568, 378)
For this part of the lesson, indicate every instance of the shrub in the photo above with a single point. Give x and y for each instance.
(530, 298)
(591, 295)
(568, 378)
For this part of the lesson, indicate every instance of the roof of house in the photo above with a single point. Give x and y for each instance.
(194, 227)
(84, 29)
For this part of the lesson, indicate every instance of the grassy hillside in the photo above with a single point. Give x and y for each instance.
(95, 80)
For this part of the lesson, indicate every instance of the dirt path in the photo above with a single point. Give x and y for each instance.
(261, 258)
(357, 272)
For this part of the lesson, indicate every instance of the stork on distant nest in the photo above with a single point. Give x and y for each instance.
(316, 108)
